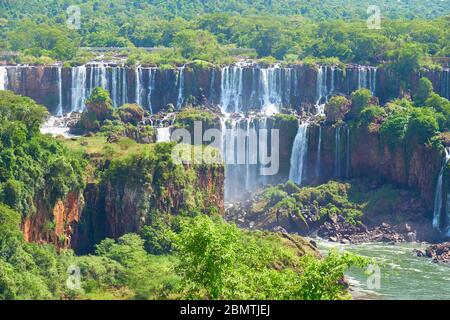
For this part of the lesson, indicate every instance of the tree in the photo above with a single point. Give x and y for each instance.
(360, 100)
(337, 108)
(206, 255)
(405, 60)
(197, 44)
(424, 91)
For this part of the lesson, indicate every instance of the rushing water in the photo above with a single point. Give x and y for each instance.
(60, 94)
(438, 220)
(299, 151)
(3, 78)
(403, 275)
(367, 78)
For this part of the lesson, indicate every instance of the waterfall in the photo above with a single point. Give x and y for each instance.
(373, 81)
(3, 78)
(138, 85)
(151, 87)
(247, 156)
(231, 85)
(337, 155)
(298, 156)
(242, 140)
(180, 99)
(270, 82)
(163, 134)
(60, 93)
(322, 91)
(438, 198)
(114, 93)
(362, 77)
(319, 151)
(79, 91)
(367, 78)
(124, 87)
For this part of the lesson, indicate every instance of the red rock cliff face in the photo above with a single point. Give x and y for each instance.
(415, 167)
(114, 209)
(55, 225)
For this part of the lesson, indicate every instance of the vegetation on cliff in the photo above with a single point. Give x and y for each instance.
(226, 31)
(305, 210)
(32, 165)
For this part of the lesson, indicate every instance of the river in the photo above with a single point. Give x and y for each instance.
(403, 275)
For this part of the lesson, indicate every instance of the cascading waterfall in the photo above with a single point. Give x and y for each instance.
(270, 82)
(337, 154)
(124, 87)
(362, 77)
(373, 81)
(231, 86)
(367, 78)
(151, 87)
(3, 78)
(242, 141)
(138, 85)
(323, 92)
(79, 91)
(60, 93)
(298, 156)
(438, 198)
(180, 99)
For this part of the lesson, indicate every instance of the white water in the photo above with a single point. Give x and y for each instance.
(298, 156)
(79, 91)
(323, 92)
(180, 99)
(402, 276)
(138, 93)
(244, 144)
(270, 81)
(438, 198)
(231, 85)
(151, 87)
(367, 78)
(56, 126)
(163, 134)
(3, 78)
(60, 93)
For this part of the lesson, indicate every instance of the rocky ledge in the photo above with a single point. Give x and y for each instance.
(345, 212)
(343, 232)
(437, 252)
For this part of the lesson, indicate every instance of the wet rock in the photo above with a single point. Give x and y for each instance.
(437, 252)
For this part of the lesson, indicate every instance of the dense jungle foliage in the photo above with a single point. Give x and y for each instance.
(218, 32)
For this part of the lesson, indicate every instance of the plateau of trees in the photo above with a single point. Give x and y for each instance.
(190, 31)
